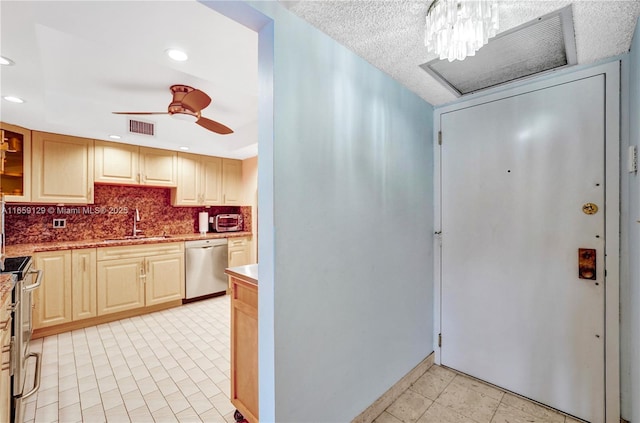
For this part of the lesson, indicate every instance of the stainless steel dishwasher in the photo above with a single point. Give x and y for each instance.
(205, 261)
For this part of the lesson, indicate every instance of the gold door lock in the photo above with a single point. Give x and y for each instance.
(587, 263)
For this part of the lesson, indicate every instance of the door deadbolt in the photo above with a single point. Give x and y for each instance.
(587, 263)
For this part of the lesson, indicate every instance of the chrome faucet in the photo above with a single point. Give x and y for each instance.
(136, 219)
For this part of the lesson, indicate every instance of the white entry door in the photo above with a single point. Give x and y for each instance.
(519, 176)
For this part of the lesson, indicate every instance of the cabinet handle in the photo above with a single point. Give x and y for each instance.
(5, 324)
(84, 264)
(89, 191)
(143, 275)
(6, 348)
(138, 177)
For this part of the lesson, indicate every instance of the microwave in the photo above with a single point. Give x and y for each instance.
(231, 222)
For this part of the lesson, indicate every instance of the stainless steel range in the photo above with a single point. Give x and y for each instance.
(27, 280)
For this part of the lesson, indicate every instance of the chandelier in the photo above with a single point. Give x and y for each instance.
(456, 29)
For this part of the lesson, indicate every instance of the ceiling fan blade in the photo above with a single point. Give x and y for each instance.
(214, 126)
(140, 113)
(196, 100)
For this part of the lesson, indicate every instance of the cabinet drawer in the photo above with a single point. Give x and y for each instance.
(135, 251)
(237, 242)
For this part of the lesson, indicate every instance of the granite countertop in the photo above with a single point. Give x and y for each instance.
(6, 285)
(29, 249)
(247, 273)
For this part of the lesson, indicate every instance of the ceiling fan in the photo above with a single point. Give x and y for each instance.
(187, 104)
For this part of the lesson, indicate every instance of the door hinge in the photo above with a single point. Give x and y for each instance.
(439, 340)
(439, 137)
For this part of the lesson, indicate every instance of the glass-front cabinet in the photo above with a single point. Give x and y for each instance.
(15, 163)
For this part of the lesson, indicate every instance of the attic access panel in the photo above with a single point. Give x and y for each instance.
(546, 43)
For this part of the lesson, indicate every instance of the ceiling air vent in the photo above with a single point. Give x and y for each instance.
(546, 43)
(141, 128)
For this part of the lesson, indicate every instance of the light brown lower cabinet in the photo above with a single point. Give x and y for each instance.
(83, 284)
(244, 348)
(52, 300)
(85, 287)
(133, 277)
(5, 375)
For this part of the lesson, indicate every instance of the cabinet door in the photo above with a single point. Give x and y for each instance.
(244, 348)
(83, 281)
(238, 251)
(120, 285)
(158, 167)
(165, 278)
(5, 360)
(211, 186)
(15, 163)
(188, 192)
(62, 169)
(231, 181)
(116, 163)
(52, 300)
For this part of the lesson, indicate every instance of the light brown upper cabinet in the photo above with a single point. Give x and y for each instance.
(231, 182)
(207, 181)
(199, 181)
(61, 169)
(125, 164)
(15, 163)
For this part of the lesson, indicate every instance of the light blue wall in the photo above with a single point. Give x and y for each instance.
(353, 201)
(346, 212)
(631, 293)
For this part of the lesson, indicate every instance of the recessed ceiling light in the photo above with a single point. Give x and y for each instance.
(13, 99)
(183, 148)
(177, 55)
(114, 137)
(5, 61)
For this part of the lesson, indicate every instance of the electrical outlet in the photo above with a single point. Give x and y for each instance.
(59, 223)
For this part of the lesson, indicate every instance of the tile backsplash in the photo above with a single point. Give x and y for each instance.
(111, 216)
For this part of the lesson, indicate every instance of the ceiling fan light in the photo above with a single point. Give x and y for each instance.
(184, 116)
(177, 55)
(5, 61)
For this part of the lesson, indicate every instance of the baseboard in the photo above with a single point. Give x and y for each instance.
(392, 394)
(92, 321)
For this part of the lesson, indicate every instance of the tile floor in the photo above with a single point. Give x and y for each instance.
(444, 396)
(173, 366)
(167, 366)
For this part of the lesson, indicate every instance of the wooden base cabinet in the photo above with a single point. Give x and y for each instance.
(52, 301)
(120, 285)
(133, 277)
(5, 372)
(165, 278)
(83, 281)
(244, 348)
(239, 251)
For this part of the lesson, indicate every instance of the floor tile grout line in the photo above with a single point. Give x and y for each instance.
(93, 342)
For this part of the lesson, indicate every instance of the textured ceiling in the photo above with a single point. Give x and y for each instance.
(389, 34)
